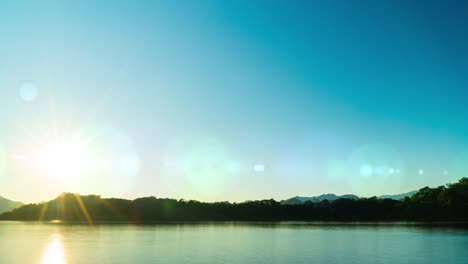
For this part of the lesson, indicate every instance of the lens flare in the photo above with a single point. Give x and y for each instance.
(115, 164)
(259, 167)
(205, 163)
(366, 170)
(28, 91)
(208, 166)
(371, 169)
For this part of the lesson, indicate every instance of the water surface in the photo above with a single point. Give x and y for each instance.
(231, 243)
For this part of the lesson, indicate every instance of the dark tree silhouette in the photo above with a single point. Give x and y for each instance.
(443, 203)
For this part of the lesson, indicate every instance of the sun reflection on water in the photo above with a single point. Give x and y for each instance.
(54, 254)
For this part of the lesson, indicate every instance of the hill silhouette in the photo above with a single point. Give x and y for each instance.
(397, 196)
(443, 203)
(315, 199)
(8, 205)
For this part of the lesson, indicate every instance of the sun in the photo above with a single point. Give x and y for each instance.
(64, 159)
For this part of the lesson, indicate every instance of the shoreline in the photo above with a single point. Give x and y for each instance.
(450, 224)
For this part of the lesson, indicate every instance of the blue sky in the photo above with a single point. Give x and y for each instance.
(216, 100)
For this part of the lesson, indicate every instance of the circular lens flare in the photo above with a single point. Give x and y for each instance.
(28, 92)
(372, 169)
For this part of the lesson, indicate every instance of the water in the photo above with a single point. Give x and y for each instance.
(230, 243)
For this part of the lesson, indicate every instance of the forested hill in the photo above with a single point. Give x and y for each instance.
(443, 203)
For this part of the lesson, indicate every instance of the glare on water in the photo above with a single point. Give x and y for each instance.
(54, 253)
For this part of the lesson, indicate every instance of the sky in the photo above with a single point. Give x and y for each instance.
(231, 100)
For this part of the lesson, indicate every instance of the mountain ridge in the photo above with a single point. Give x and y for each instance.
(397, 196)
(332, 197)
(319, 198)
(8, 205)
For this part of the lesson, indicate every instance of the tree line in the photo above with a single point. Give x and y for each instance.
(443, 203)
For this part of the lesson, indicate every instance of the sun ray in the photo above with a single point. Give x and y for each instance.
(83, 209)
(44, 208)
(98, 107)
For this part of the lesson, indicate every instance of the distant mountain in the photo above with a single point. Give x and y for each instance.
(8, 205)
(332, 197)
(397, 196)
(315, 199)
